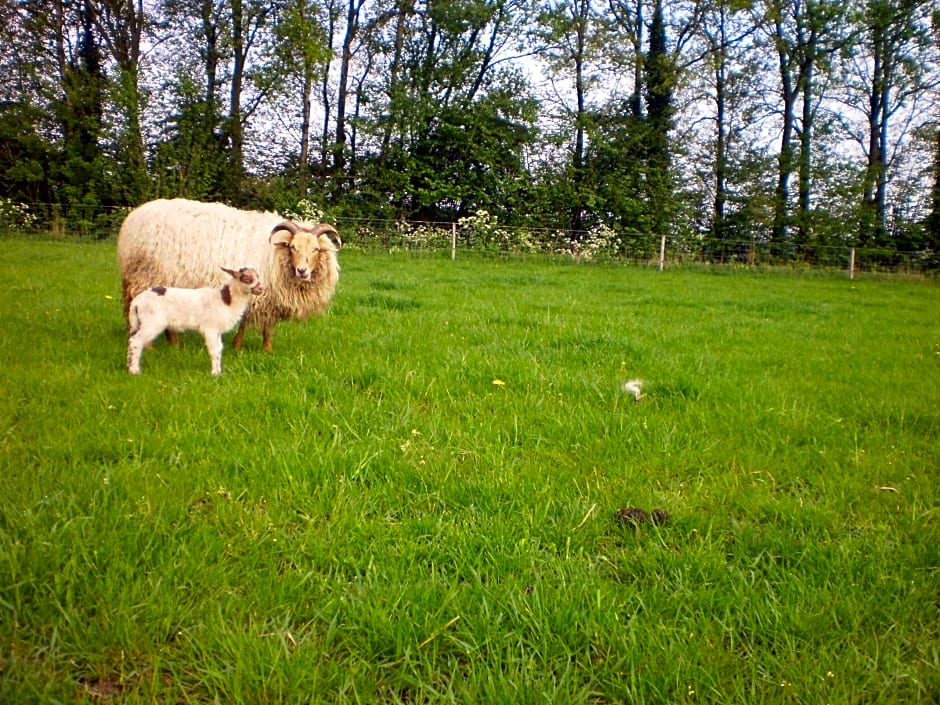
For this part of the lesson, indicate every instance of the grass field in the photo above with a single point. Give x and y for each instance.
(412, 500)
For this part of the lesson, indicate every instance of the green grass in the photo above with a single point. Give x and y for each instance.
(364, 516)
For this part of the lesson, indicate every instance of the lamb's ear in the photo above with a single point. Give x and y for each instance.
(283, 233)
(230, 272)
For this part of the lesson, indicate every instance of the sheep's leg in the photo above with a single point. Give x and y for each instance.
(214, 346)
(268, 333)
(240, 335)
(172, 338)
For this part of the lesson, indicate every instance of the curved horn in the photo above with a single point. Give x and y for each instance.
(283, 225)
(330, 232)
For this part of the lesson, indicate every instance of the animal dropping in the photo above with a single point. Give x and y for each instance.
(635, 516)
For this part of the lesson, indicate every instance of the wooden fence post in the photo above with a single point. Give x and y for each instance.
(662, 253)
(453, 240)
(852, 264)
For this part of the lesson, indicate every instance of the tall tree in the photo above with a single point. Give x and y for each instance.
(442, 77)
(353, 11)
(81, 169)
(660, 82)
(302, 49)
(568, 28)
(933, 220)
(120, 23)
(891, 72)
(724, 39)
(819, 37)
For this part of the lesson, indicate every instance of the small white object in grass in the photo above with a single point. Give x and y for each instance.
(634, 387)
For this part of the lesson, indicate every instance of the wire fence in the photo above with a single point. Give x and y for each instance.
(481, 235)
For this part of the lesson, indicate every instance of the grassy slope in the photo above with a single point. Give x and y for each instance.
(310, 526)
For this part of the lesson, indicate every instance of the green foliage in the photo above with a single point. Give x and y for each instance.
(412, 499)
(467, 160)
(23, 176)
(190, 161)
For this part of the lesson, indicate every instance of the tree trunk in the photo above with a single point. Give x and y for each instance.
(804, 234)
(352, 27)
(404, 10)
(582, 8)
(721, 138)
(872, 225)
(235, 130)
(785, 160)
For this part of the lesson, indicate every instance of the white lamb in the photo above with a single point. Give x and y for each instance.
(210, 311)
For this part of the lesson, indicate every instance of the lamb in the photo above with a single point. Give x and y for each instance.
(179, 243)
(210, 311)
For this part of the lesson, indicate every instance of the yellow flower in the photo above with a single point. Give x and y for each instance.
(498, 383)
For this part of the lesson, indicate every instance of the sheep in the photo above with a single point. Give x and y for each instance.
(179, 243)
(210, 311)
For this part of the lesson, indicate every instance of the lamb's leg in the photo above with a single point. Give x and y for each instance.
(140, 338)
(135, 348)
(214, 345)
(172, 338)
(240, 335)
(267, 333)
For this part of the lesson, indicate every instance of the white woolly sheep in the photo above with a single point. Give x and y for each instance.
(179, 243)
(210, 311)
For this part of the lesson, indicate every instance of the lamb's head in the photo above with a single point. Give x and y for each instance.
(306, 246)
(247, 277)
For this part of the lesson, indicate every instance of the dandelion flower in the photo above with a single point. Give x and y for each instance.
(498, 383)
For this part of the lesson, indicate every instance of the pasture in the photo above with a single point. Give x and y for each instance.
(412, 500)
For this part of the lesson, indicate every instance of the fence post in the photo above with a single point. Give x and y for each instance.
(852, 264)
(453, 240)
(662, 253)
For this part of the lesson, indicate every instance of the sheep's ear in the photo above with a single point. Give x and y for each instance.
(230, 272)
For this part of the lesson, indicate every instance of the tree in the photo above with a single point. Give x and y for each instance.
(891, 74)
(724, 40)
(441, 76)
(660, 77)
(933, 220)
(302, 50)
(567, 31)
(120, 23)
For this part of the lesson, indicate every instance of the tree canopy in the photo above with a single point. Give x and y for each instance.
(793, 122)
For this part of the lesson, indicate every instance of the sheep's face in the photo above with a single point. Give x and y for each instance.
(307, 247)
